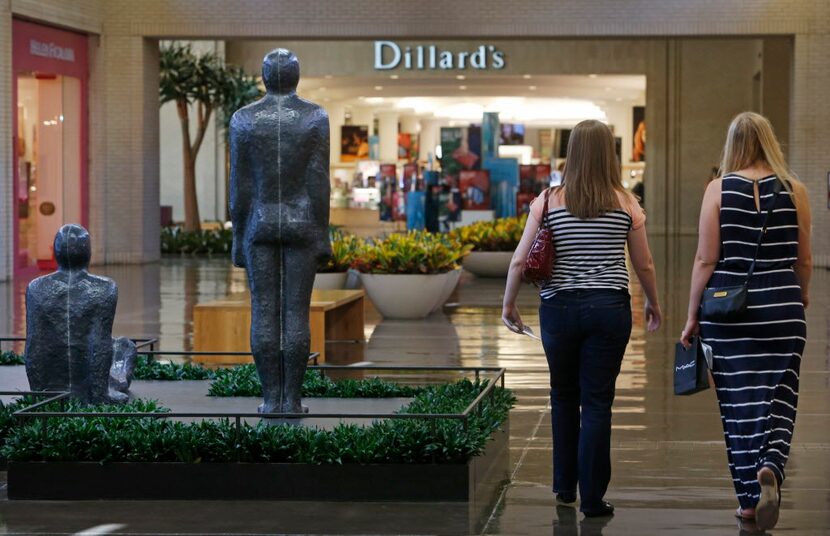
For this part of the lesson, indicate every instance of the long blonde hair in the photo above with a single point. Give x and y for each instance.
(591, 178)
(751, 140)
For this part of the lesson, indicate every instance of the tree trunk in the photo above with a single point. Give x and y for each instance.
(192, 222)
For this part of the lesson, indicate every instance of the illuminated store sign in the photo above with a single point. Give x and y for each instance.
(51, 50)
(389, 55)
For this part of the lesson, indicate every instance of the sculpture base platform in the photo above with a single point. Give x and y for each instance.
(478, 480)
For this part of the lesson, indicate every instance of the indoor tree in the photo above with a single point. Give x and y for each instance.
(238, 89)
(190, 79)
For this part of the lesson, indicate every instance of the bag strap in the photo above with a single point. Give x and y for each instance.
(775, 191)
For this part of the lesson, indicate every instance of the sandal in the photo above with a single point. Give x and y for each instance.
(769, 505)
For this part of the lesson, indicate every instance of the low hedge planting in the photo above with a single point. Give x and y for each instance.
(11, 358)
(244, 381)
(414, 441)
(150, 369)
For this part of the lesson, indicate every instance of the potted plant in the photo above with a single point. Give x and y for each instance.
(344, 251)
(410, 275)
(492, 242)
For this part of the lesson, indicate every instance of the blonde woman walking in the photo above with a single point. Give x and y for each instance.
(757, 356)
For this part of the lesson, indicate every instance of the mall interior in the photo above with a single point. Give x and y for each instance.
(446, 119)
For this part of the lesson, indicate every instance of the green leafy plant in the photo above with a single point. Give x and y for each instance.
(175, 240)
(11, 358)
(412, 441)
(150, 369)
(188, 79)
(416, 252)
(244, 381)
(502, 234)
(345, 249)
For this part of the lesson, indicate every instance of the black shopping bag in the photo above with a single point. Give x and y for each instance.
(690, 368)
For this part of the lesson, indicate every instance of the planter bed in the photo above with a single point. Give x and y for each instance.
(286, 481)
(448, 443)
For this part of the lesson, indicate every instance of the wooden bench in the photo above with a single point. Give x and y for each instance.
(225, 326)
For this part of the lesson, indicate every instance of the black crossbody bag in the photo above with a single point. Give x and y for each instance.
(726, 303)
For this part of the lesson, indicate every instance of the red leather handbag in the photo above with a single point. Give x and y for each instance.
(538, 267)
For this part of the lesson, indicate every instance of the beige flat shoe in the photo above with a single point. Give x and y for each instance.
(769, 505)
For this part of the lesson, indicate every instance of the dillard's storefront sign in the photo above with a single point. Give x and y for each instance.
(390, 55)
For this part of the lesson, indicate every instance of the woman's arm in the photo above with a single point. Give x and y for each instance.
(510, 314)
(804, 264)
(643, 264)
(706, 258)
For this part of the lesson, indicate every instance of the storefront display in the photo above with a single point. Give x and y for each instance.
(475, 189)
(354, 144)
(50, 69)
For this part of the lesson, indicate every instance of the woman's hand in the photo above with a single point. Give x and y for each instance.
(692, 329)
(654, 316)
(511, 318)
(805, 299)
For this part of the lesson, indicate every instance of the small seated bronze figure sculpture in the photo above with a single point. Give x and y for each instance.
(279, 154)
(69, 315)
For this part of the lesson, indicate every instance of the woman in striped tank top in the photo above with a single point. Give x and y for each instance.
(586, 309)
(758, 355)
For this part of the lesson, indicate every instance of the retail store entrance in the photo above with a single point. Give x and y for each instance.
(50, 154)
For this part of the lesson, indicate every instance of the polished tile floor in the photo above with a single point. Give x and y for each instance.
(670, 474)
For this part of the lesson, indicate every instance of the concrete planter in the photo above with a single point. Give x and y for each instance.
(451, 283)
(488, 263)
(409, 295)
(330, 281)
(263, 481)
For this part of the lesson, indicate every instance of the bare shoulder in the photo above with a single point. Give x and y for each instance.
(713, 191)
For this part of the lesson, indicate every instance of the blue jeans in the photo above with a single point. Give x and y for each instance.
(584, 333)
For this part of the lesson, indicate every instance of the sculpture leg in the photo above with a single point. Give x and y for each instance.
(264, 271)
(121, 372)
(300, 266)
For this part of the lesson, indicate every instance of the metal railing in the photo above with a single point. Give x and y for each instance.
(140, 342)
(31, 412)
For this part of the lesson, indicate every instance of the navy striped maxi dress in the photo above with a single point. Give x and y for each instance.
(757, 357)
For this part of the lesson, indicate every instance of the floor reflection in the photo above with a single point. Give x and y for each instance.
(670, 468)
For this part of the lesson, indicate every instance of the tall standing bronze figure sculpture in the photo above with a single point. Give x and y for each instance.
(279, 149)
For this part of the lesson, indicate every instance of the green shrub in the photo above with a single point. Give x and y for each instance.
(244, 381)
(415, 252)
(160, 440)
(150, 369)
(345, 249)
(175, 240)
(11, 358)
(502, 234)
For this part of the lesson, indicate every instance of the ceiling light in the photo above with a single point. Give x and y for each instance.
(526, 77)
(323, 88)
(592, 76)
(531, 88)
(378, 88)
(462, 87)
(328, 76)
(394, 76)
(460, 77)
(326, 99)
(374, 100)
(608, 89)
(619, 99)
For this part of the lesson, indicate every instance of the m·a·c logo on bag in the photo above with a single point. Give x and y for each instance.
(720, 294)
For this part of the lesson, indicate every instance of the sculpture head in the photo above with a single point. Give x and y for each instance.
(280, 71)
(72, 249)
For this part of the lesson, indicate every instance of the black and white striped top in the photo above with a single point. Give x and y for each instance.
(590, 253)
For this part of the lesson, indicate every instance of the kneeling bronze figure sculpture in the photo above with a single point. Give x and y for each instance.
(279, 188)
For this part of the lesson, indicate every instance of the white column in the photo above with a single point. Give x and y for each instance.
(363, 116)
(388, 134)
(337, 117)
(410, 124)
(430, 137)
